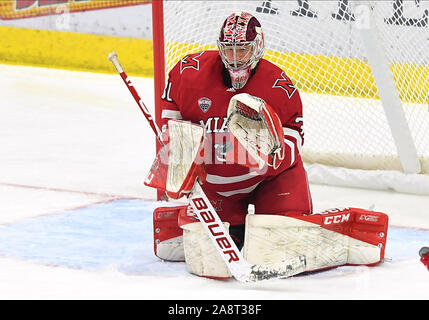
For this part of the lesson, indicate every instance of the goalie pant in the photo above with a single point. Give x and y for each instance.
(336, 237)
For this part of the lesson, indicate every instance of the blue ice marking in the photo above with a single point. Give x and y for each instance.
(119, 234)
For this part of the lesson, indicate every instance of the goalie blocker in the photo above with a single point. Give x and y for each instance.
(180, 161)
(333, 238)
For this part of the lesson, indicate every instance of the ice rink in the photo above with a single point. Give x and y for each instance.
(76, 219)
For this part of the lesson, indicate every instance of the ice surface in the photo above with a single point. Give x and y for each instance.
(75, 217)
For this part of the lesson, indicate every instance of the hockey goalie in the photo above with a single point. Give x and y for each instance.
(234, 124)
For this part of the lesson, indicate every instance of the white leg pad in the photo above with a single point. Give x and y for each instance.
(201, 256)
(273, 238)
(171, 249)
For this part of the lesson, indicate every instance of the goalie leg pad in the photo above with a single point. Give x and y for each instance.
(329, 239)
(168, 236)
(201, 256)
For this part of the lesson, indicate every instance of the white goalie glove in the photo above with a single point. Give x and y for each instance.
(258, 129)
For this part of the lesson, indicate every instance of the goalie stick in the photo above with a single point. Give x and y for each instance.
(238, 266)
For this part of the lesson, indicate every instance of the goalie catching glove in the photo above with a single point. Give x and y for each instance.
(258, 129)
(179, 163)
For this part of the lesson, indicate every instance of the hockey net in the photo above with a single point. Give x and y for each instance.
(320, 45)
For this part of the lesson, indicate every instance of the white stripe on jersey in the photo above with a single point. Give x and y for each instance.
(238, 191)
(171, 114)
(211, 178)
(294, 134)
(292, 150)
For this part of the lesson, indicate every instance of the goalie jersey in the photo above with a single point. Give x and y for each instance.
(199, 90)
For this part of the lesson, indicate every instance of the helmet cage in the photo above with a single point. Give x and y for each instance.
(237, 56)
(254, 48)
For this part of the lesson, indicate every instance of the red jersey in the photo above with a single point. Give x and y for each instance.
(197, 90)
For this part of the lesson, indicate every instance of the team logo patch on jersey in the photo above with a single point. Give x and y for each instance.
(204, 103)
(286, 84)
(190, 62)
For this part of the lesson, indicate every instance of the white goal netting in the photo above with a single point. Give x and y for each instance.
(319, 45)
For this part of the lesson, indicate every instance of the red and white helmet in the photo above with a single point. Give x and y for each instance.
(241, 46)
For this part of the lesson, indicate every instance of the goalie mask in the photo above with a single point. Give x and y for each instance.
(241, 46)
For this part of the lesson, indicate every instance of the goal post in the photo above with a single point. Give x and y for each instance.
(389, 97)
(158, 66)
(362, 69)
(158, 55)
